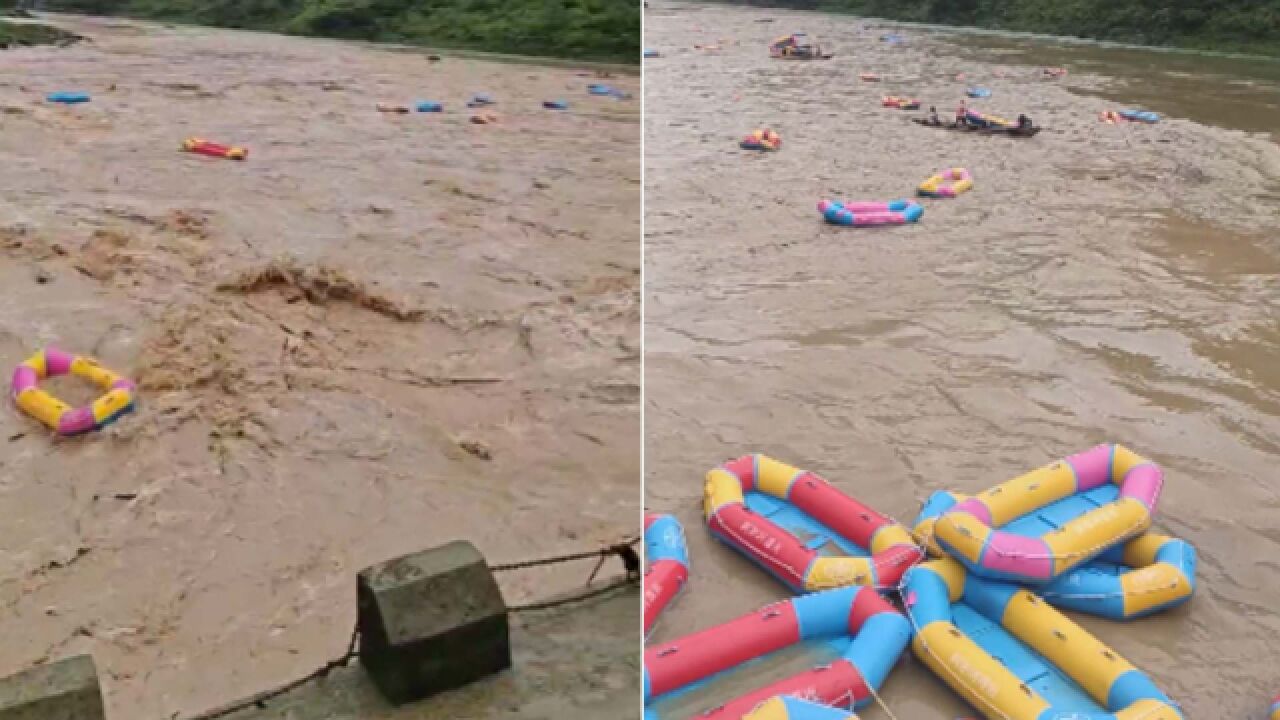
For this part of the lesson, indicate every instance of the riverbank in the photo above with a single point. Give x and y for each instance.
(603, 31)
(28, 34)
(1101, 283)
(379, 333)
(1247, 28)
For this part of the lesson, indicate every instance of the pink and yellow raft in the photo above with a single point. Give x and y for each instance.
(58, 415)
(982, 534)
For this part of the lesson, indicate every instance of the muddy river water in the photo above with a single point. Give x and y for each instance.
(380, 333)
(1101, 283)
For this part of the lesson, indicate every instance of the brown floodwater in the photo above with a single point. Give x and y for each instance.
(380, 333)
(1100, 283)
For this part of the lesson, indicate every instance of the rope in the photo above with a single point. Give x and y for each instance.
(260, 700)
(880, 701)
(624, 550)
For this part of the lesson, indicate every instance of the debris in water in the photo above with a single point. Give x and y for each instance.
(320, 284)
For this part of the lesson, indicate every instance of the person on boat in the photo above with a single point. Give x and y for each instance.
(962, 115)
(1024, 122)
(933, 116)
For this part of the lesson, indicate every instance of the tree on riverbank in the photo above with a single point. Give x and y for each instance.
(1226, 25)
(580, 29)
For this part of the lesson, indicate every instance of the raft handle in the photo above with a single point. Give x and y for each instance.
(1059, 634)
(1109, 655)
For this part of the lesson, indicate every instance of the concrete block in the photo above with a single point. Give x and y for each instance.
(63, 690)
(431, 621)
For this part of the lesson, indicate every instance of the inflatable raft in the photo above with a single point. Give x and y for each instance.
(1012, 131)
(761, 139)
(865, 631)
(61, 417)
(1148, 574)
(865, 214)
(1142, 116)
(749, 501)
(67, 97)
(797, 46)
(978, 92)
(894, 101)
(1082, 525)
(947, 183)
(668, 571)
(791, 708)
(1013, 657)
(201, 146)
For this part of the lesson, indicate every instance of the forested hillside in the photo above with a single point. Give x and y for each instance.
(583, 29)
(1227, 25)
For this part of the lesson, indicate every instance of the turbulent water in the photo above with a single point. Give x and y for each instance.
(1101, 283)
(379, 333)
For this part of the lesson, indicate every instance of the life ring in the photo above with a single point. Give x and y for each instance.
(948, 183)
(900, 103)
(52, 362)
(668, 557)
(972, 533)
(865, 214)
(802, 568)
(212, 149)
(762, 139)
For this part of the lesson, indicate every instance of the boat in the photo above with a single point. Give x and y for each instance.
(668, 556)
(797, 46)
(1148, 574)
(860, 628)
(1014, 657)
(1013, 131)
(756, 505)
(1102, 497)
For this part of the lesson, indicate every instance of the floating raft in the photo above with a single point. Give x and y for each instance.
(1150, 573)
(668, 557)
(1013, 657)
(993, 130)
(756, 505)
(873, 634)
(978, 532)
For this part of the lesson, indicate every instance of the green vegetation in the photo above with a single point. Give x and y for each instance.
(579, 29)
(20, 35)
(1223, 25)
